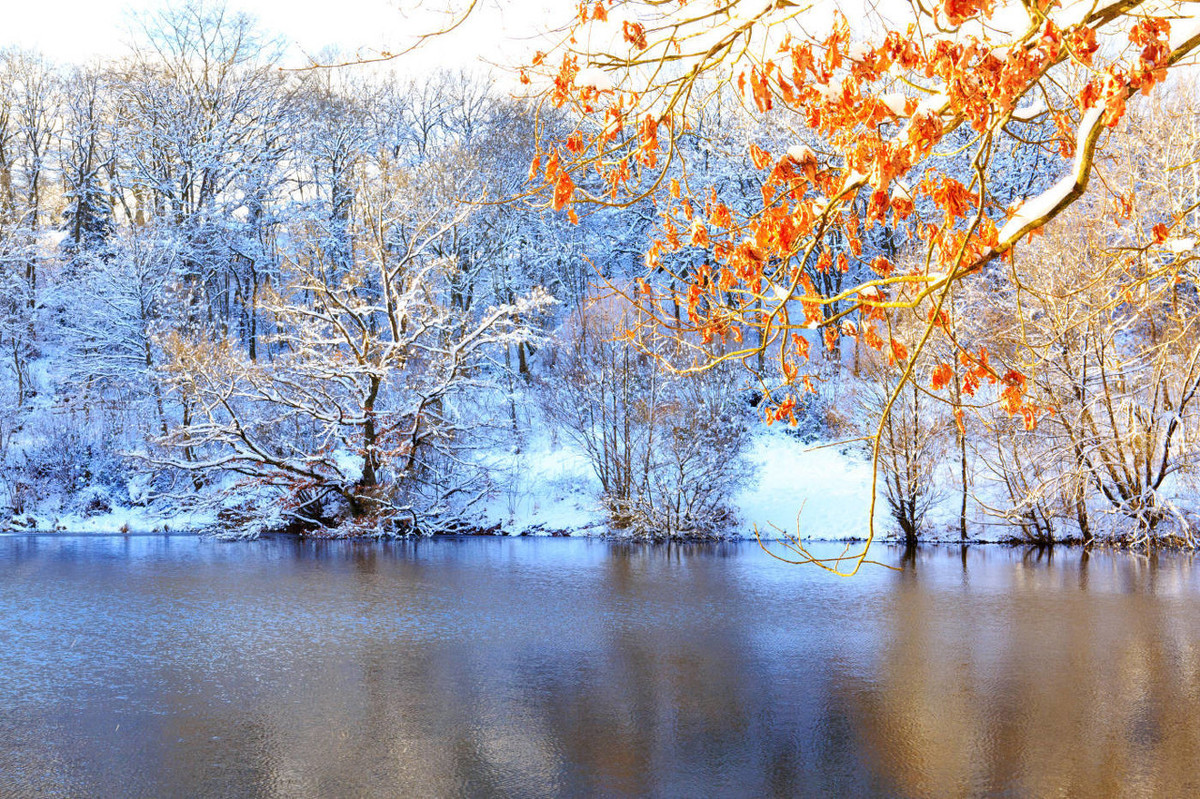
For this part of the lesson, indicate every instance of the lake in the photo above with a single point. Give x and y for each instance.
(180, 666)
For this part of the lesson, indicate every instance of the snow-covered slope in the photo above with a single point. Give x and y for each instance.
(550, 487)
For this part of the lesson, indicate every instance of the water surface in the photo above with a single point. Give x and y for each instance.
(177, 666)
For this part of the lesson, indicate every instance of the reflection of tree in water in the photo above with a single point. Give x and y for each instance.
(674, 699)
(637, 680)
(1075, 678)
(662, 693)
(488, 668)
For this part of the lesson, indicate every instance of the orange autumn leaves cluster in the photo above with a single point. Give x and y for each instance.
(874, 133)
(560, 179)
(975, 370)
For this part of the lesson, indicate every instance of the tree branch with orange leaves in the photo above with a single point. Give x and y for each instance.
(888, 102)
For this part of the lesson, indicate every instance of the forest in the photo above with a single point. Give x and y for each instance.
(366, 301)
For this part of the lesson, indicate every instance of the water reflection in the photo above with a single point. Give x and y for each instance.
(176, 666)
(1059, 674)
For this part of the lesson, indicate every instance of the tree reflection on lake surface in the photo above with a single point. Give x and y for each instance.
(150, 666)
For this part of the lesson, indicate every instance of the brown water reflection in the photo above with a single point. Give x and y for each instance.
(1089, 688)
(186, 667)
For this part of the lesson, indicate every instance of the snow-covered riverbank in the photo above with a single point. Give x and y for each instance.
(550, 488)
(822, 490)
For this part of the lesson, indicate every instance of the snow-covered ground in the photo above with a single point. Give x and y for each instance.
(548, 486)
(819, 491)
(811, 490)
(118, 520)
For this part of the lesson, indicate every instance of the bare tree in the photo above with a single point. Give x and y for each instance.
(665, 450)
(354, 419)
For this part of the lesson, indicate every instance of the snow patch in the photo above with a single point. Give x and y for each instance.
(1030, 112)
(828, 93)
(1010, 19)
(853, 178)
(813, 492)
(857, 51)
(595, 78)
(801, 153)
(934, 104)
(118, 520)
(546, 486)
(895, 102)
(549, 486)
(349, 465)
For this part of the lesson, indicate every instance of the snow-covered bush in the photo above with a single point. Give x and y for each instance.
(59, 463)
(913, 444)
(665, 447)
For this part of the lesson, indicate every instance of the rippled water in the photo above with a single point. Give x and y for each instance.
(151, 666)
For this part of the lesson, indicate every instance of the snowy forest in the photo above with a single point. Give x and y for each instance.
(341, 301)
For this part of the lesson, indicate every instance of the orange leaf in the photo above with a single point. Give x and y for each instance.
(760, 157)
(635, 34)
(563, 190)
(882, 266)
(801, 345)
(942, 374)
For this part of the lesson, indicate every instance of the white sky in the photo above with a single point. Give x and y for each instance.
(80, 30)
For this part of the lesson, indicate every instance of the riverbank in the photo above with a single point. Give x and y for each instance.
(813, 491)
